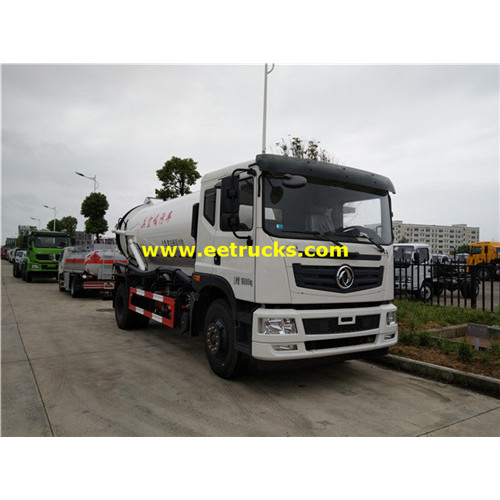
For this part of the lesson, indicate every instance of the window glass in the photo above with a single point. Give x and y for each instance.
(209, 206)
(246, 204)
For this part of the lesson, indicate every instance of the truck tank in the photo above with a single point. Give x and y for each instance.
(158, 224)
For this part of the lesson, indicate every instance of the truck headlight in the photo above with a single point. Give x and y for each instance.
(391, 318)
(34, 266)
(278, 326)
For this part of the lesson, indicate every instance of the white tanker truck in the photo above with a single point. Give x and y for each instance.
(262, 282)
(87, 268)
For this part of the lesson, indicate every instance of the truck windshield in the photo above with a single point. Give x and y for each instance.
(327, 209)
(47, 241)
(403, 254)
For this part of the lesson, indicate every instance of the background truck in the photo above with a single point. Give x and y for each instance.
(290, 308)
(19, 258)
(43, 250)
(413, 269)
(484, 259)
(416, 272)
(88, 268)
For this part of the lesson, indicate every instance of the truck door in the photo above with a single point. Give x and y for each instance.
(206, 229)
(234, 261)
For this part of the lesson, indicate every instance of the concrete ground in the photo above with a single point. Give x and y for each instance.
(68, 370)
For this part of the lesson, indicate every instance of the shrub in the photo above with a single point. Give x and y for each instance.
(424, 339)
(465, 352)
(444, 346)
(495, 349)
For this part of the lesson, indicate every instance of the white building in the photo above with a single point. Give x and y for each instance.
(441, 239)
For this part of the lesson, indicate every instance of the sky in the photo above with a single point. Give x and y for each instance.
(432, 129)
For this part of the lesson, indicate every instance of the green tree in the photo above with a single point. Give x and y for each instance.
(50, 225)
(176, 175)
(69, 224)
(404, 239)
(94, 207)
(461, 249)
(299, 148)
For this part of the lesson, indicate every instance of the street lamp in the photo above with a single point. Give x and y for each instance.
(52, 208)
(39, 224)
(96, 184)
(264, 121)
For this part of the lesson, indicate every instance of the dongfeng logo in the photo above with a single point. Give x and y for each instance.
(345, 277)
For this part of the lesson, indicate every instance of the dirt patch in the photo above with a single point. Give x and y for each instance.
(483, 363)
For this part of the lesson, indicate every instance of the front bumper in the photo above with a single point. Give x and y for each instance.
(306, 344)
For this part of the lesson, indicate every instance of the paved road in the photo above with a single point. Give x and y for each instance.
(67, 370)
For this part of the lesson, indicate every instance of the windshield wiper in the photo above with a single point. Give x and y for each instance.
(326, 236)
(371, 240)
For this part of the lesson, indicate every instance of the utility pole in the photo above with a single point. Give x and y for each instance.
(52, 208)
(94, 179)
(266, 72)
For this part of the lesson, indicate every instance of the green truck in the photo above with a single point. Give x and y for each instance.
(43, 250)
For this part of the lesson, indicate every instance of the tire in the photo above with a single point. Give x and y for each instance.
(15, 271)
(29, 278)
(438, 288)
(125, 318)
(466, 289)
(483, 274)
(60, 282)
(425, 292)
(219, 336)
(75, 286)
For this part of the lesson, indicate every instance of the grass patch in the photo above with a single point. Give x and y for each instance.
(416, 342)
(416, 316)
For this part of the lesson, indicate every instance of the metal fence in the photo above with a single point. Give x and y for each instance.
(450, 284)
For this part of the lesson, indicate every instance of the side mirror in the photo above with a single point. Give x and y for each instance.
(230, 199)
(294, 181)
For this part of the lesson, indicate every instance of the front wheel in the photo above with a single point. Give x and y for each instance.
(223, 358)
(425, 292)
(15, 271)
(484, 274)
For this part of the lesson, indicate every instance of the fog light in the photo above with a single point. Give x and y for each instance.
(285, 347)
(34, 266)
(390, 318)
(389, 336)
(279, 326)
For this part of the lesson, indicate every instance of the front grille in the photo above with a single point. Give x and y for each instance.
(314, 345)
(325, 278)
(320, 326)
(47, 256)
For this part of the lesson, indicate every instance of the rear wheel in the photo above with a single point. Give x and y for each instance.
(220, 349)
(467, 290)
(76, 288)
(125, 318)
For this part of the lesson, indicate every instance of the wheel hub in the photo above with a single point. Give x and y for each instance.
(214, 337)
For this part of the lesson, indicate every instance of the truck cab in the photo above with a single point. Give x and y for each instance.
(42, 254)
(484, 259)
(413, 269)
